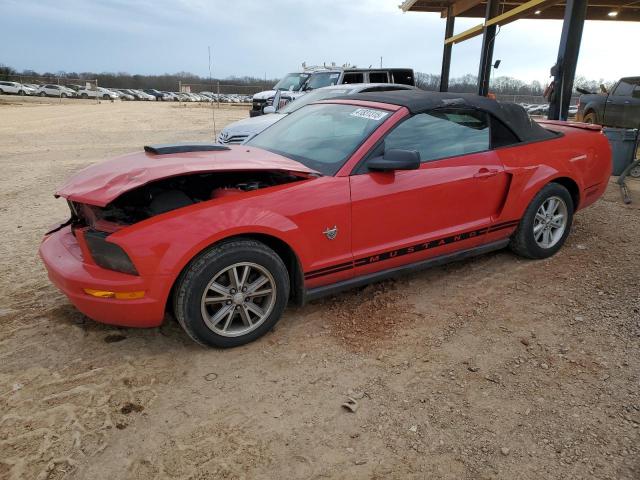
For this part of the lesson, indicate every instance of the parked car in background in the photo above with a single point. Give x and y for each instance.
(296, 84)
(170, 96)
(156, 93)
(51, 90)
(240, 131)
(126, 91)
(336, 195)
(142, 95)
(124, 94)
(15, 88)
(99, 92)
(618, 108)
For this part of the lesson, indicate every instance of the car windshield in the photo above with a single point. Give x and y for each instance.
(322, 94)
(322, 79)
(292, 81)
(321, 136)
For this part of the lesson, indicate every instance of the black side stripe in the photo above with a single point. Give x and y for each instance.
(408, 250)
(311, 275)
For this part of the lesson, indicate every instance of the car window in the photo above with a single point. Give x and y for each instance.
(441, 133)
(292, 81)
(321, 136)
(404, 77)
(378, 77)
(624, 89)
(323, 79)
(353, 77)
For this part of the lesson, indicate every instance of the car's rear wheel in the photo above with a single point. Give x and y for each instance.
(591, 117)
(21, 93)
(546, 223)
(42, 94)
(232, 294)
(63, 95)
(84, 95)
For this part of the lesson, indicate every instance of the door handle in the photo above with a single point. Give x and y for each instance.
(486, 173)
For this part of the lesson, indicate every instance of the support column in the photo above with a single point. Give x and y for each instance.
(486, 54)
(446, 53)
(575, 13)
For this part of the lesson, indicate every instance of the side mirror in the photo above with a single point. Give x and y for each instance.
(395, 159)
(269, 109)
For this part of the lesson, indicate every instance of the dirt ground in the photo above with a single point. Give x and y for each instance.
(495, 367)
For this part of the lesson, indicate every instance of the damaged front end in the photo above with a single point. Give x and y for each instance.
(110, 196)
(170, 194)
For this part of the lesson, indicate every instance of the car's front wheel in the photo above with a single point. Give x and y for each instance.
(546, 223)
(590, 118)
(232, 294)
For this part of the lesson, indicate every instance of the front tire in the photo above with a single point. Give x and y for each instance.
(231, 294)
(591, 117)
(546, 223)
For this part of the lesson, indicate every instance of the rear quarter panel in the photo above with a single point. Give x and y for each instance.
(581, 154)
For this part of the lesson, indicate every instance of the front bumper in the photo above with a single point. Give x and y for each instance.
(67, 269)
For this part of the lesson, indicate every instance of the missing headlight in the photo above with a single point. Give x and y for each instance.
(108, 255)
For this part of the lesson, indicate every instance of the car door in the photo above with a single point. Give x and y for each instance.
(446, 205)
(618, 104)
(633, 111)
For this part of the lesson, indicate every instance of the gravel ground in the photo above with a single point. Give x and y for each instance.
(494, 367)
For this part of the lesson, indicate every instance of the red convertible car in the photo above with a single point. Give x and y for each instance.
(338, 194)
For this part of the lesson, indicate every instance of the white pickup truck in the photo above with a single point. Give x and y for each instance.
(296, 84)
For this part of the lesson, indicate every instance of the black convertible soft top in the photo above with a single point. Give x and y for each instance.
(418, 101)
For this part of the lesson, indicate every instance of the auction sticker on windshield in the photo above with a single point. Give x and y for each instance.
(369, 114)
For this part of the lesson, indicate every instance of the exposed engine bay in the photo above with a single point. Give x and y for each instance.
(172, 193)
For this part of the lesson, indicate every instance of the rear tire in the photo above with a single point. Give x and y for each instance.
(21, 93)
(42, 94)
(219, 299)
(591, 117)
(84, 96)
(546, 223)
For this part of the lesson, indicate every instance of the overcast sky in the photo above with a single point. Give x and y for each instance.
(257, 37)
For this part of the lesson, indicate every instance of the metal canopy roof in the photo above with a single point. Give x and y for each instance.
(610, 10)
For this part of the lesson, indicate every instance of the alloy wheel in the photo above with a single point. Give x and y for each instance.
(238, 299)
(550, 222)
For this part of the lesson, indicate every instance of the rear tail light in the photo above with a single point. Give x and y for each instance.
(108, 255)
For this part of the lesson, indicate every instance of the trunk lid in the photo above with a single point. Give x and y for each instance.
(101, 183)
(566, 124)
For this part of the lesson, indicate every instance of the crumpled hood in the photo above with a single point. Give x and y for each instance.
(249, 126)
(103, 182)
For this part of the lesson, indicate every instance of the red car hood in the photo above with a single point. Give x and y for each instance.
(103, 182)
